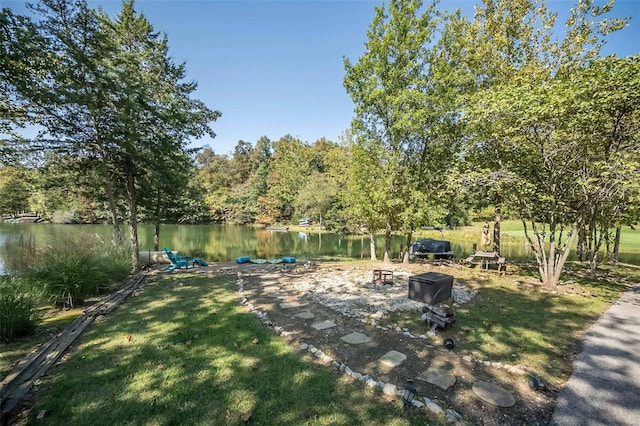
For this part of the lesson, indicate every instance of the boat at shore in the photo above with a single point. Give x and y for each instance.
(277, 228)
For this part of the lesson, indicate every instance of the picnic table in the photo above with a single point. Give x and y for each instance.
(486, 258)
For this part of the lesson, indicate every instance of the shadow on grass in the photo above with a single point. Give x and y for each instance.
(605, 385)
(539, 327)
(182, 352)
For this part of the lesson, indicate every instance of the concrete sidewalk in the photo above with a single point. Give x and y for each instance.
(604, 388)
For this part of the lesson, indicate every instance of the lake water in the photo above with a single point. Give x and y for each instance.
(221, 243)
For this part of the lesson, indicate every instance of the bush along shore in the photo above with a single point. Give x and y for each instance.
(60, 276)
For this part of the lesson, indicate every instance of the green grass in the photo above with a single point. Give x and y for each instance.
(515, 320)
(629, 238)
(18, 307)
(51, 323)
(515, 246)
(183, 352)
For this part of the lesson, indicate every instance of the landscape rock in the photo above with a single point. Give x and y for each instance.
(389, 389)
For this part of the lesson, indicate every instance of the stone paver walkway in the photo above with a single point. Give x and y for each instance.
(356, 338)
(323, 325)
(348, 334)
(439, 377)
(493, 394)
(393, 358)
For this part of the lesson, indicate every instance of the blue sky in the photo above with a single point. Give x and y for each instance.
(275, 67)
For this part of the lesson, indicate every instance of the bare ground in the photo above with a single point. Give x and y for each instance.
(344, 294)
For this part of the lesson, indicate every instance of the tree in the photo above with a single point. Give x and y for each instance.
(68, 89)
(607, 119)
(388, 86)
(213, 177)
(290, 166)
(14, 191)
(366, 187)
(520, 113)
(316, 196)
(108, 91)
(19, 40)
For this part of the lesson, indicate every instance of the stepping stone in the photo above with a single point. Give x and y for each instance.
(439, 377)
(305, 315)
(277, 295)
(292, 305)
(393, 359)
(323, 325)
(493, 394)
(356, 338)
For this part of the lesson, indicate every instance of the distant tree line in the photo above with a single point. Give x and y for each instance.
(453, 114)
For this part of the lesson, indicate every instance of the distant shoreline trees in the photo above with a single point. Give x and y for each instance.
(452, 114)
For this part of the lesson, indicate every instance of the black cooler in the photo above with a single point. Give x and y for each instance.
(430, 288)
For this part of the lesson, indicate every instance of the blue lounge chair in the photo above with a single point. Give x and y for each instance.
(178, 261)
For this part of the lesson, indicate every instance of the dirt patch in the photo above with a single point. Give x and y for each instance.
(293, 300)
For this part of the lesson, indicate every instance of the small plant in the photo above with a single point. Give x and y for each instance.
(18, 307)
(78, 267)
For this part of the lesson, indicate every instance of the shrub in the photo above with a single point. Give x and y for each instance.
(19, 302)
(78, 267)
(64, 216)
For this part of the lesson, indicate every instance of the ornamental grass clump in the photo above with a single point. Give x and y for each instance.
(78, 267)
(18, 253)
(19, 302)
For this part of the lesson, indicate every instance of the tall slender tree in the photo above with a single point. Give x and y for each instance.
(388, 86)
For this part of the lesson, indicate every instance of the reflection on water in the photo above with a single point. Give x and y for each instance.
(221, 243)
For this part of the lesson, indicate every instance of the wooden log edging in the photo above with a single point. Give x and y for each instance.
(18, 383)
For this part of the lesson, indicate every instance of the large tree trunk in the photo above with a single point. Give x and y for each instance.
(372, 246)
(117, 232)
(108, 187)
(405, 257)
(387, 244)
(582, 243)
(550, 264)
(156, 231)
(599, 235)
(616, 245)
(133, 221)
(496, 229)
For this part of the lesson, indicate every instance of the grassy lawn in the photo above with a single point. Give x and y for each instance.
(185, 352)
(53, 323)
(629, 238)
(515, 320)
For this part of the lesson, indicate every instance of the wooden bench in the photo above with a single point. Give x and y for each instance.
(382, 276)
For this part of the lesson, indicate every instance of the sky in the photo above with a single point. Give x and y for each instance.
(276, 67)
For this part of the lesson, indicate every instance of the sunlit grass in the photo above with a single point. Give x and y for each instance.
(515, 320)
(185, 352)
(48, 327)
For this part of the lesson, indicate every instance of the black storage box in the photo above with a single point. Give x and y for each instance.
(430, 288)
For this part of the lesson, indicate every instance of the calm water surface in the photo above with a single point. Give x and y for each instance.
(221, 243)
